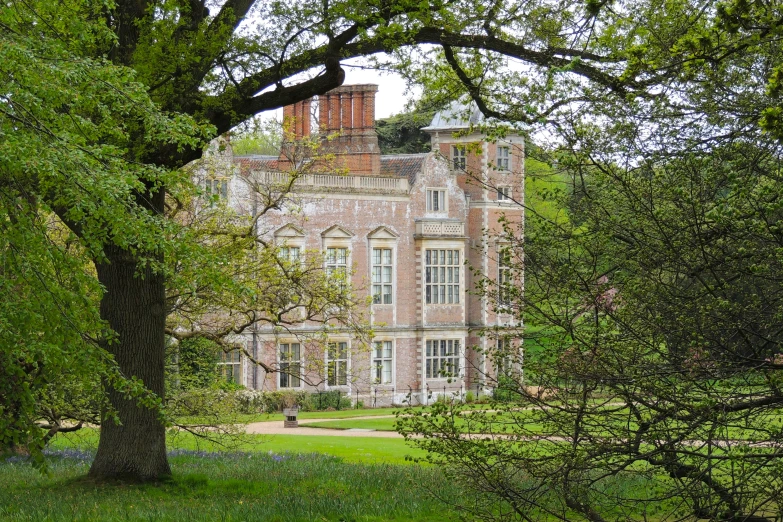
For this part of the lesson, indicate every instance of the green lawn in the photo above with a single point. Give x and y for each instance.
(268, 417)
(350, 449)
(228, 487)
(387, 424)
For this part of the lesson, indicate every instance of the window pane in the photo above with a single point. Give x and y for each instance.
(387, 256)
(387, 274)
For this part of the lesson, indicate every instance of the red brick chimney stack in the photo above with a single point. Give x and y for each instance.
(297, 120)
(349, 111)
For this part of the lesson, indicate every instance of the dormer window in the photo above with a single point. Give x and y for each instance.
(458, 157)
(218, 186)
(503, 159)
(436, 200)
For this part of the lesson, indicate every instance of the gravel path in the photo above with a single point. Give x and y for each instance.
(276, 428)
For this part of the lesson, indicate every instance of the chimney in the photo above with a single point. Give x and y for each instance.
(296, 120)
(350, 111)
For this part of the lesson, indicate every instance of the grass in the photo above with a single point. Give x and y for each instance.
(350, 449)
(269, 417)
(497, 420)
(228, 487)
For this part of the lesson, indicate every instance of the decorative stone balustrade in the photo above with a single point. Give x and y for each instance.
(440, 228)
(335, 182)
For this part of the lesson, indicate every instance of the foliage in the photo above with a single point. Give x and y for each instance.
(211, 401)
(402, 134)
(684, 68)
(257, 137)
(191, 364)
(263, 485)
(655, 284)
(61, 114)
(333, 399)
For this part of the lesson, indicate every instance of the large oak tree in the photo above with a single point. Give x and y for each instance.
(222, 62)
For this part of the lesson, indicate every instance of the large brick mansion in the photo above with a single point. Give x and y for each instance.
(407, 228)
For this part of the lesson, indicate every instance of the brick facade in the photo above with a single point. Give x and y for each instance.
(382, 202)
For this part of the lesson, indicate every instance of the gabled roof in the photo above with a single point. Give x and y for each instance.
(383, 233)
(289, 230)
(336, 231)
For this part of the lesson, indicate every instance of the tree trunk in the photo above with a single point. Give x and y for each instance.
(134, 306)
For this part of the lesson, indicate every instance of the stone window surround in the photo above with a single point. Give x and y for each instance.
(442, 199)
(278, 347)
(334, 341)
(459, 356)
(383, 237)
(393, 358)
(503, 157)
(235, 361)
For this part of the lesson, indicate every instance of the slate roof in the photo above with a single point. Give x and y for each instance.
(457, 115)
(402, 166)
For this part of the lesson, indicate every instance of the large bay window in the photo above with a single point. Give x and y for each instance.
(443, 356)
(442, 275)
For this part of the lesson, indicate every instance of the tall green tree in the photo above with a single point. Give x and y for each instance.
(223, 62)
(657, 300)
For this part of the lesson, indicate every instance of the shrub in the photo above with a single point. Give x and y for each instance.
(319, 401)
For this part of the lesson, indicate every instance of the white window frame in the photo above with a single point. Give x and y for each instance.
(230, 366)
(336, 378)
(505, 277)
(379, 357)
(337, 264)
(292, 381)
(503, 159)
(437, 199)
(442, 276)
(504, 193)
(382, 275)
(217, 186)
(290, 253)
(508, 358)
(459, 157)
(440, 353)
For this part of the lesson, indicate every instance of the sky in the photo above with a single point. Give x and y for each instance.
(389, 100)
(391, 96)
